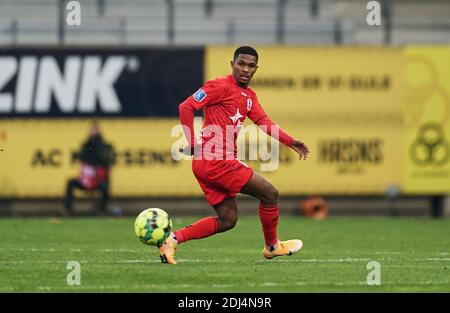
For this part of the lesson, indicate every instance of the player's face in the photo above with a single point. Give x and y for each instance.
(244, 67)
(94, 131)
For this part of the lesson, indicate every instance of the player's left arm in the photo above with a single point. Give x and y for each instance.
(260, 118)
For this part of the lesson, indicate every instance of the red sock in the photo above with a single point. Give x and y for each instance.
(202, 228)
(269, 221)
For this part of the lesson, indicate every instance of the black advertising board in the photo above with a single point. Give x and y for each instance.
(88, 82)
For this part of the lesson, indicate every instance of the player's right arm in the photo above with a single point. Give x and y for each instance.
(210, 93)
(260, 118)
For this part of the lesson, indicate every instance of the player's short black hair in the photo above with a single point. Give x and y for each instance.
(245, 50)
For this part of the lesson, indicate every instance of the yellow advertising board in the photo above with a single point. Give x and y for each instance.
(37, 157)
(344, 103)
(300, 84)
(427, 120)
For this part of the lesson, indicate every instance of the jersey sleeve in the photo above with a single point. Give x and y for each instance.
(186, 112)
(260, 118)
(210, 93)
(256, 112)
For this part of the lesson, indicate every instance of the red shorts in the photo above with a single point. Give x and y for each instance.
(221, 179)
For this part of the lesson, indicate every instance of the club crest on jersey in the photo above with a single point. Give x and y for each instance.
(199, 95)
(249, 104)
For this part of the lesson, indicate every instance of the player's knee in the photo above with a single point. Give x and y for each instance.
(228, 223)
(272, 195)
(229, 226)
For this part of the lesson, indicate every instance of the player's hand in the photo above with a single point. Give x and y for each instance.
(300, 148)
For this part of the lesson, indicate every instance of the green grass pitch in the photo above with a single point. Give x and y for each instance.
(414, 255)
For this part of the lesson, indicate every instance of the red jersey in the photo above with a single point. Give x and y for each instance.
(226, 106)
(91, 176)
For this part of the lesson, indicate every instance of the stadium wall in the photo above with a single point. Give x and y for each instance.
(376, 119)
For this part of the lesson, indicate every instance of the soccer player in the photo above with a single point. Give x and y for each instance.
(227, 101)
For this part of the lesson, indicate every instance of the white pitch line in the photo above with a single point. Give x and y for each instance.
(343, 260)
(269, 284)
(222, 286)
(187, 260)
(138, 261)
(39, 261)
(219, 286)
(387, 252)
(120, 250)
(131, 261)
(6, 289)
(38, 250)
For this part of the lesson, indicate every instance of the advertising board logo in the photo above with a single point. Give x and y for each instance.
(430, 147)
(351, 151)
(351, 156)
(76, 83)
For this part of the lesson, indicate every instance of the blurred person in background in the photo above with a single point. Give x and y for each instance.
(96, 157)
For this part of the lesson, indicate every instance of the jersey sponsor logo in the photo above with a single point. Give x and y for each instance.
(81, 83)
(249, 104)
(199, 95)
